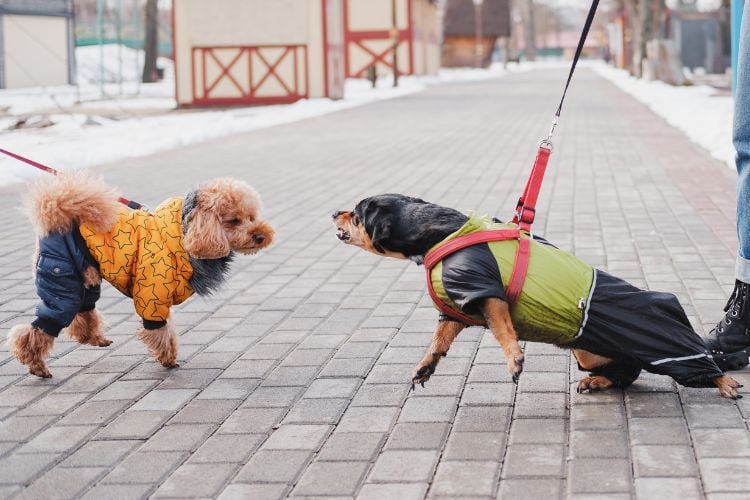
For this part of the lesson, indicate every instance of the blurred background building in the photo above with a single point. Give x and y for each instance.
(36, 43)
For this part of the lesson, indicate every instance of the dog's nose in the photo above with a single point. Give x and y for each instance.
(259, 238)
(336, 214)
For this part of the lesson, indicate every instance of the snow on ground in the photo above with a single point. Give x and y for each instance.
(701, 112)
(101, 131)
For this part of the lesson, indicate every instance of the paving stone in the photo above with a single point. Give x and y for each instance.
(540, 404)
(232, 448)
(331, 478)
(100, 453)
(308, 357)
(95, 412)
(599, 443)
(711, 443)
(534, 460)
(297, 437)
(229, 388)
(20, 469)
(247, 491)
(713, 416)
(134, 425)
(145, 467)
(428, 409)
(368, 419)
(418, 436)
(482, 419)
(658, 431)
(290, 376)
(663, 461)
(380, 395)
(60, 483)
(272, 397)
(599, 476)
(20, 429)
(316, 411)
(178, 438)
(58, 439)
(118, 491)
(251, 420)
(725, 474)
(274, 466)
(404, 466)
(205, 411)
(124, 390)
(477, 394)
(653, 405)
(249, 368)
(456, 478)
(538, 430)
(475, 446)
(52, 405)
(531, 488)
(605, 416)
(667, 488)
(332, 388)
(402, 491)
(166, 400)
(196, 480)
(193, 378)
(352, 446)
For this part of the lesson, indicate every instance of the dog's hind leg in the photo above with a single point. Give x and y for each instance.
(442, 339)
(31, 346)
(497, 315)
(86, 328)
(162, 342)
(605, 372)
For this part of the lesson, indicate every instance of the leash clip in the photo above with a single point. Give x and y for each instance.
(547, 143)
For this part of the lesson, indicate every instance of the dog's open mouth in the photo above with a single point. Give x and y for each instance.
(343, 234)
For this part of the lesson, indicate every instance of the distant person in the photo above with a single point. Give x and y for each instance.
(732, 333)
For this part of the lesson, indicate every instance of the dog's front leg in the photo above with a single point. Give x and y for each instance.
(442, 339)
(162, 343)
(497, 316)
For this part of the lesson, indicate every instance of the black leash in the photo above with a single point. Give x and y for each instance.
(579, 49)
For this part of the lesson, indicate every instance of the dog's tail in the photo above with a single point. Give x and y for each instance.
(57, 202)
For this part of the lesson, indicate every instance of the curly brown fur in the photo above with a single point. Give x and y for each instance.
(86, 328)
(31, 346)
(224, 217)
(56, 203)
(162, 343)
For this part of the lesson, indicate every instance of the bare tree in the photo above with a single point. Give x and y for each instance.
(151, 42)
(529, 29)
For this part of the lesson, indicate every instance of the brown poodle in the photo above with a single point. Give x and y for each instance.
(159, 259)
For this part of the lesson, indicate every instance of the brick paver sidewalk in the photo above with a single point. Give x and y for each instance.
(294, 380)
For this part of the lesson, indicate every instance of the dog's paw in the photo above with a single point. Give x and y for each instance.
(103, 342)
(595, 383)
(40, 371)
(425, 369)
(170, 364)
(728, 387)
(515, 366)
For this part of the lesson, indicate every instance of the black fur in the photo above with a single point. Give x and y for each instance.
(406, 225)
(208, 274)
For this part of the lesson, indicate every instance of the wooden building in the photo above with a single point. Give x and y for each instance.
(244, 52)
(369, 41)
(460, 29)
(36, 43)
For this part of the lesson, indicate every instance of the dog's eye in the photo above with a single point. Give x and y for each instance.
(355, 219)
(234, 222)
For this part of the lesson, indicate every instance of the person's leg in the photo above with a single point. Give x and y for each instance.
(731, 334)
(742, 146)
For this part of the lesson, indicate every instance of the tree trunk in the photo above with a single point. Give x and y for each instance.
(151, 42)
(529, 30)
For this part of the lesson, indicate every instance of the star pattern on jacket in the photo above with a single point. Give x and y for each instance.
(142, 256)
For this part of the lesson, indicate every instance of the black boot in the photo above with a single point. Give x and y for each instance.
(731, 333)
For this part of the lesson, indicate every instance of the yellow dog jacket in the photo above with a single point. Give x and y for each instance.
(142, 256)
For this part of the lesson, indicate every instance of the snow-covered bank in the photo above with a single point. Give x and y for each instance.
(79, 139)
(701, 112)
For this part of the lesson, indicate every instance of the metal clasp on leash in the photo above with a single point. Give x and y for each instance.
(547, 142)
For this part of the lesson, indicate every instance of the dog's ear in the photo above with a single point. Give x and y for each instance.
(205, 238)
(380, 231)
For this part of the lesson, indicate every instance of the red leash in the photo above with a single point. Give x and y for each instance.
(128, 203)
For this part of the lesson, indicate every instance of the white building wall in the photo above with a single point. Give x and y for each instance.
(35, 50)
